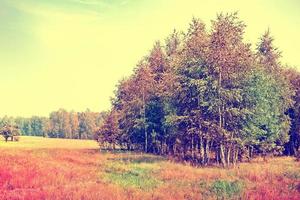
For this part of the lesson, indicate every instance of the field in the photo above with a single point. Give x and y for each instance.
(40, 168)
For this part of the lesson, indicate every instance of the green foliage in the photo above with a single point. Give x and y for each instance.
(224, 189)
(206, 93)
(131, 175)
(266, 125)
(292, 147)
(60, 124)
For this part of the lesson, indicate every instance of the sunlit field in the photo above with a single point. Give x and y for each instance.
(42, 168)
(30, 142)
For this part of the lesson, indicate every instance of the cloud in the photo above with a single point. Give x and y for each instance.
(62, 12)
(91, 2)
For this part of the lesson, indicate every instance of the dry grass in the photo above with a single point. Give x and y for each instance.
(30, 142)
(39, 168)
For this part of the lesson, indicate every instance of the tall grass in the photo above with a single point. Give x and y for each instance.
(72, 172)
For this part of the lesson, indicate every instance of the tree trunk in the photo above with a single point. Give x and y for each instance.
(201, 151)
(192, 147)
(235, 157)
(161, 151)
(221, 151)
(222, 155)
(217, 154)
(145, 126)
(206, 153)
(249, 153)
(228, 155)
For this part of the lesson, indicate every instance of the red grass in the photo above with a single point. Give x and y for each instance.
(76, 174)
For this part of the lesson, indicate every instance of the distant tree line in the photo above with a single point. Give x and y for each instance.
(208, 97)
(60, 124)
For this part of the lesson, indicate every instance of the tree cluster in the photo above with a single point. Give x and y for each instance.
(207, 96)
(60, 124)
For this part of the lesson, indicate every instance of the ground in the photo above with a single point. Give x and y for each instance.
(42, 168)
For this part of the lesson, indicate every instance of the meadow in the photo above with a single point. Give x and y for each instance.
(43, 168)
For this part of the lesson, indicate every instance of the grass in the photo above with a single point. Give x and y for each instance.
(31, 142)
(226, 189)
(131, 176)
(292, 174)
(43, 168)
(135, 171)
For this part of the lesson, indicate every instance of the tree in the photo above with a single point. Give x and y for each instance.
(204, 94)
(229, 58)
(38, 126)
(292, 147)
(266, 127)
(109, 132)
(268, 55)
(74, 123)
(60, 124)
(9, 131)
(87, 124)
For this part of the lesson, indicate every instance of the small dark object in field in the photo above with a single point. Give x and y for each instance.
(9, 131)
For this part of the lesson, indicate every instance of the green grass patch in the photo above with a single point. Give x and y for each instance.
(139, 159)
(132, 175)
(295, 175)
(224, 189)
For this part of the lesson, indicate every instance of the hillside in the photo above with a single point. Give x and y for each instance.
(42, 168)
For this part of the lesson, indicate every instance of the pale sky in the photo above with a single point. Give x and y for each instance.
(71, 53)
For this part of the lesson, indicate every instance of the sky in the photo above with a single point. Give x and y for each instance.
(71, 53)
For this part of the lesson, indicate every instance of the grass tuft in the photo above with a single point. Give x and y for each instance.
(292, 174)
(131, 175)
(226, 189)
